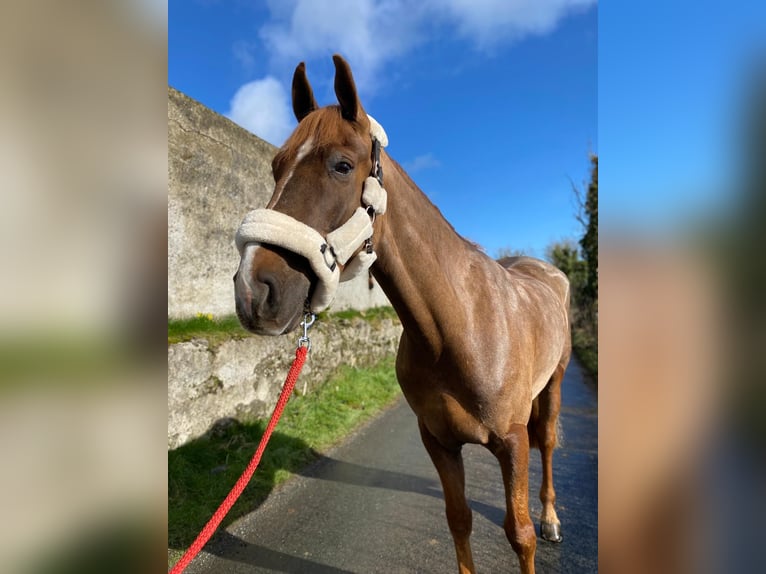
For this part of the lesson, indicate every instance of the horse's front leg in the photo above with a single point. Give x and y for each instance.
(512, 451)
(449, 465)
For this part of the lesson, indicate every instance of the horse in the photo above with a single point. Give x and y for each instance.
(484, 344)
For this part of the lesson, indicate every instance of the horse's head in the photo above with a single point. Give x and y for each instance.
(319, 176)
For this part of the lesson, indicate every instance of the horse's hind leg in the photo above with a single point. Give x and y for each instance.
(546, 430)
(512, 451)
(449, 465)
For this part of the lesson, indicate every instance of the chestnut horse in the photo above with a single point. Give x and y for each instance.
(484, 344)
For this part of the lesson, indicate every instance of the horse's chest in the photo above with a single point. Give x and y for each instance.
(448, 401)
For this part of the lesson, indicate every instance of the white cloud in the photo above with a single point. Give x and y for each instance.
(367, 32)
(421, 162)
(491, 22)
(263, 108)
(371, 33)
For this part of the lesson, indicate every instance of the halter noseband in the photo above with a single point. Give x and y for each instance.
(340, 246)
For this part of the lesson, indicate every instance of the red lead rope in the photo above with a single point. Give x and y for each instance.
(212, 525)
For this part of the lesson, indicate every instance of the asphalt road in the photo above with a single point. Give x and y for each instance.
(374, 504)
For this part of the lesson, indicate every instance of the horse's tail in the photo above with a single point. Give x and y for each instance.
(534, 441)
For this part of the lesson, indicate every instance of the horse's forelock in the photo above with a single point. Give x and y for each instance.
(324, 127)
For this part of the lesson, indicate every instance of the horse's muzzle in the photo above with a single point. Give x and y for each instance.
(269, 294)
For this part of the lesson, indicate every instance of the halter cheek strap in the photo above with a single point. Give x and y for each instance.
(339, 247)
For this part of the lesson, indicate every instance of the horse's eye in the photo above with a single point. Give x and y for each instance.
(343, 168)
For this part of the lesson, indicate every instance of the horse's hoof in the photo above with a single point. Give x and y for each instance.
(550, 531)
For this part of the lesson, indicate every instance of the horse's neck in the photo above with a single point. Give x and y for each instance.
(421, 263)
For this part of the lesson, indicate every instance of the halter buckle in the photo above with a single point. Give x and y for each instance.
(377, 169)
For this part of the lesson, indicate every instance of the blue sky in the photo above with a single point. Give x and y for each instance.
(490, 105)
(673, 81)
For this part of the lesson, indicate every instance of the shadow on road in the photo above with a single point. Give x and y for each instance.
(334, 470)
(328, 468)
(236, 549)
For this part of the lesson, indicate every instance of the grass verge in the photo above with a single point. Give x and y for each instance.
(201, 472)
(216, 330)
(371, 315)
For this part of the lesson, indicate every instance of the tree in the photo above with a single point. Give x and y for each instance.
(565, 255)
(583, 273)
(589, 242)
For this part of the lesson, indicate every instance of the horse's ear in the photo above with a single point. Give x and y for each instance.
(345, 91)
(303, 96)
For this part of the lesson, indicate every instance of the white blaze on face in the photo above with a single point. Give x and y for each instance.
(303, 151)
(243, 288)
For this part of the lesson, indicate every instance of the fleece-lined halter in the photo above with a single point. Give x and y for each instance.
(324, 254)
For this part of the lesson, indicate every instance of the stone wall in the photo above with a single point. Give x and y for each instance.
(242, 378)
(217, 172)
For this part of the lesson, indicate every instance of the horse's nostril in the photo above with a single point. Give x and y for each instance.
(272, 297)
(268, 293)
